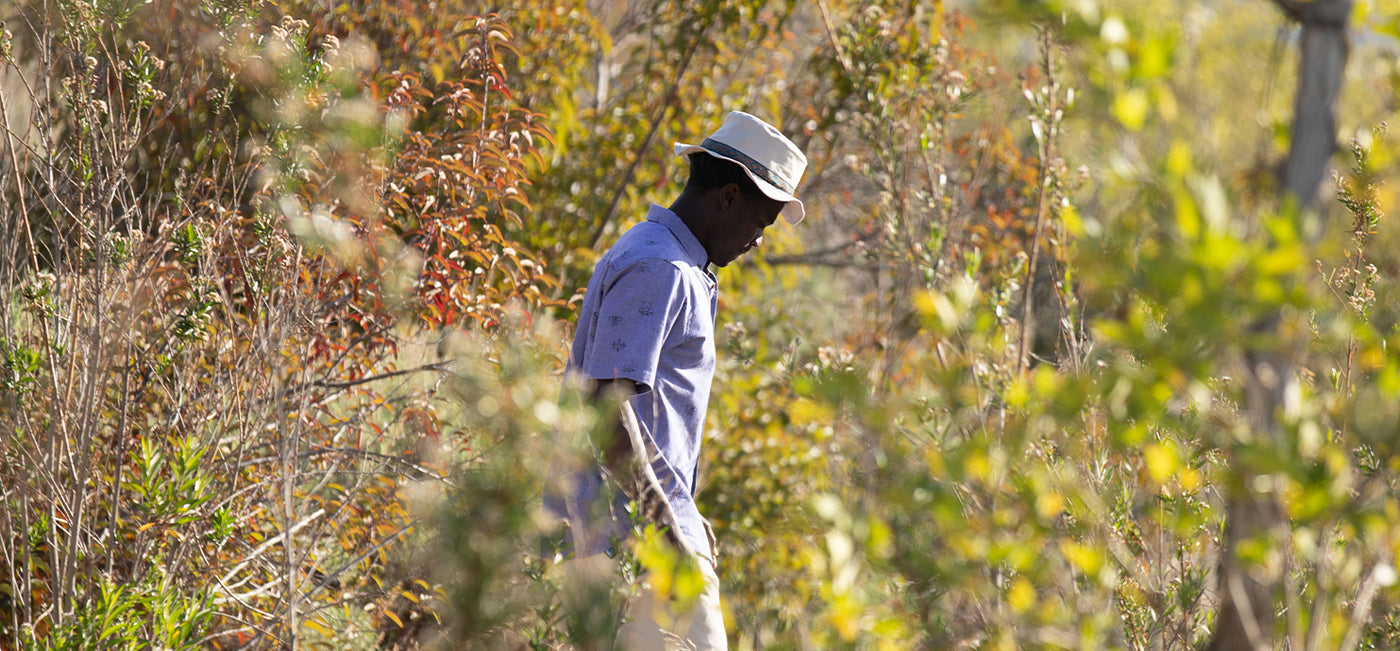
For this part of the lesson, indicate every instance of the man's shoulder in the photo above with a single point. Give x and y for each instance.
(647, 240)
(647, 268)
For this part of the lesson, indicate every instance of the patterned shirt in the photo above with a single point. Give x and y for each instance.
(649, 316)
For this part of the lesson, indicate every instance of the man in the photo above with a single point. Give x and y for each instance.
(646, 332)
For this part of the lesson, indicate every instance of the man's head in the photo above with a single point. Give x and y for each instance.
(734, 210)
(741, 178)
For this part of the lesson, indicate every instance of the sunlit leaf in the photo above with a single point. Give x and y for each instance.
(1130, 108)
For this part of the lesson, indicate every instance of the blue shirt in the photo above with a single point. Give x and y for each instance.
(649, 316)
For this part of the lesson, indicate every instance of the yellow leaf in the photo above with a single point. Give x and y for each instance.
(845, 616)
(1049, 505)
(1166, 102)
(805, 412)
(390, 614)
(978, 466)
(935, 463)
(936, 308)
(1282, 260)
(1360, 12)
(1083, 557)
(1154, 57)
(1179, 158)
(1162, 461)
(1130, 108)
(689, 583)
(319, 627)
(1018, 394)
(1190, 479)
(1021, 596)
(1073, 222)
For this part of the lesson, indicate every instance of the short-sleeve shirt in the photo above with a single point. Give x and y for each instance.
(648, 316)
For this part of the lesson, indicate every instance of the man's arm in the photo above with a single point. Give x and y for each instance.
(636, 310)
(626, 456)
(613, 441)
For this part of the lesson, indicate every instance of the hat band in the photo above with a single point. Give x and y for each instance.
(754, 166)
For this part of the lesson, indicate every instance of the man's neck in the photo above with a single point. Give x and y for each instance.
(687, 209)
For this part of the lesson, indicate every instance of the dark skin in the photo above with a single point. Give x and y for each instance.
(728, 222)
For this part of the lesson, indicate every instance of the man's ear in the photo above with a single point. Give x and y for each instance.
(728, 195)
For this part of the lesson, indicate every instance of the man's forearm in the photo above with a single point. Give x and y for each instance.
(612, 441)
(626, 458)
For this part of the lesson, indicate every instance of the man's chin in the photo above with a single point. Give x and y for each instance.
(730, 260)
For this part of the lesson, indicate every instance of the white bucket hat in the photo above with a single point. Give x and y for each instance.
(769, 158)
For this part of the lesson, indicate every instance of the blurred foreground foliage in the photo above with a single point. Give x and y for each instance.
(287, 289)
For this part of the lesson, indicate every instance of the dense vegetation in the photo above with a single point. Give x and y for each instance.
(1064, 355)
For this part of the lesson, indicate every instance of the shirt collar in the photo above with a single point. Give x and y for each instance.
(694, 252)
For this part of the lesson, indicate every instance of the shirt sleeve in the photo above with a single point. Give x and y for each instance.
(640, 304)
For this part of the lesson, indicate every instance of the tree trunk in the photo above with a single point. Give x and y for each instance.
(1246, 616)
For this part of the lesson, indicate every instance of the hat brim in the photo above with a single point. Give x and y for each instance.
(792, 213)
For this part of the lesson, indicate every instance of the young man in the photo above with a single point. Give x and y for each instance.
(646, 331)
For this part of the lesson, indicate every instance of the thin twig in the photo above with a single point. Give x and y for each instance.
(1361, 610)
(358, 559)
(328, 384)
(353, 452)
(1042, 209)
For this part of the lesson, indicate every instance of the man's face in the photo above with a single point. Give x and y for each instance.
(741, 227)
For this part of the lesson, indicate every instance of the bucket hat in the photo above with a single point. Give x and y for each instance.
(769, 158)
